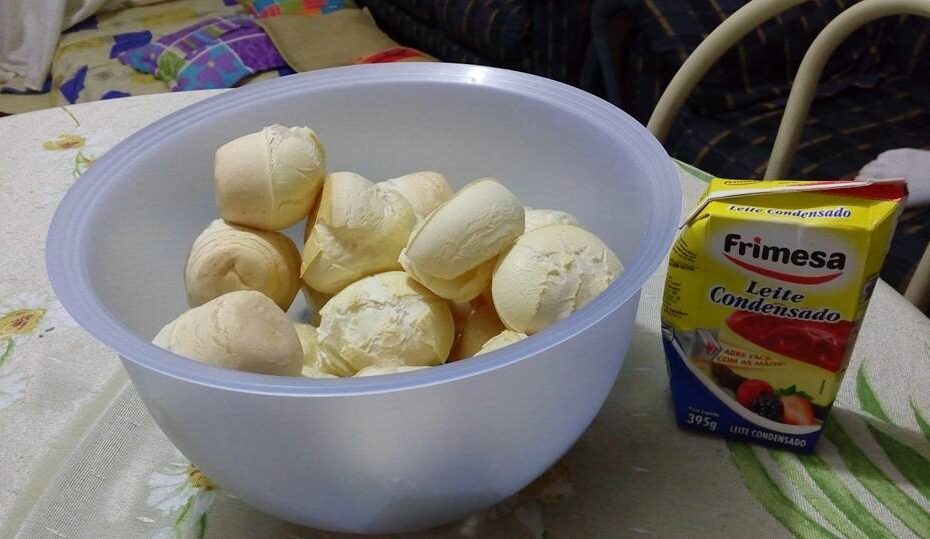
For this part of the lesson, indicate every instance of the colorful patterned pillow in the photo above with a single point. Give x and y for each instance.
(217, 52)
(272, 8)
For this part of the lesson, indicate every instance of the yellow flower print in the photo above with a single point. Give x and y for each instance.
(89, 143)
(198, 479)
(65, 141)
(99, 141)
(30, 314)
(21, 318)
(19, 322)
(182, 495)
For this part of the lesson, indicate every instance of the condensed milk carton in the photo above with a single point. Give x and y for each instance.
(767, 287)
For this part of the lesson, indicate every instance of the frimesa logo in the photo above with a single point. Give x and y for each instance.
(786, 264)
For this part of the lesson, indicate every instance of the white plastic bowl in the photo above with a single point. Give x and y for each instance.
(389, 453)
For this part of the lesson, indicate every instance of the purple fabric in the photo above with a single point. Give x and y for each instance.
(216, 52)
(255, 53)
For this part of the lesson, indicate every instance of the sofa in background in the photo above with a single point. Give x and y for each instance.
(544, 37)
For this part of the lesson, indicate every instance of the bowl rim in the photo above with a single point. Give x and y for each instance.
(66, 244)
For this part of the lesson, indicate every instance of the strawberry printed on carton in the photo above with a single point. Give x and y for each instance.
(798, 409)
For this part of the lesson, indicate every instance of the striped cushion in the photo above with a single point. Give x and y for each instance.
(495, 28)
(411, 31)
(911, 47)
(424, 10)
(545, 37)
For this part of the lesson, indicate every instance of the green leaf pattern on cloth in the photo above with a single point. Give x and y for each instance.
(182, 495)
(924, 426)
(870, 477)
(12, 382)
(815, 480)
(768, 493)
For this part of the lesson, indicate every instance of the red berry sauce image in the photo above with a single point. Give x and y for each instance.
(822, 344)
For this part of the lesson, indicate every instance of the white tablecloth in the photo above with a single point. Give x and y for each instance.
(80, 456)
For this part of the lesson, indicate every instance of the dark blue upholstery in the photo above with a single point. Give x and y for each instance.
(544, 37)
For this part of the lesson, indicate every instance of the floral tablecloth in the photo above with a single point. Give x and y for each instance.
(81, 457)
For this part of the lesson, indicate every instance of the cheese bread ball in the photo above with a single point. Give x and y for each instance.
(479, 327)
(538, 218)
(310, 346)
(270, 179)
(504, 338)
(425, 191)
(550, 273)
(378, 371)
(386, 320)
(226, 258)
(242, 330)
(453, 251)
(360, 229)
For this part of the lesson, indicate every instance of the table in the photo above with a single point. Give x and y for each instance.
(80, 456)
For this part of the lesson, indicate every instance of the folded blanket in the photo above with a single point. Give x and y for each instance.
(345, 37)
